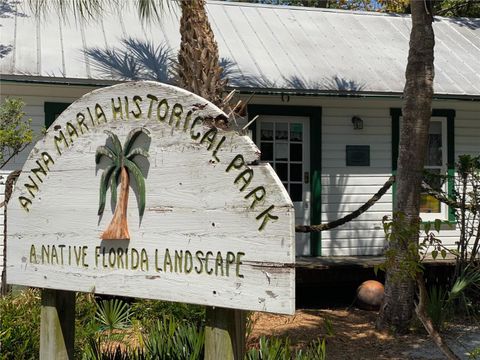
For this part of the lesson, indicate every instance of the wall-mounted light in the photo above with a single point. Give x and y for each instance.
(357, 122)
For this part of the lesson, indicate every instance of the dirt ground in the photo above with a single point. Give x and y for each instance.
(351, 334)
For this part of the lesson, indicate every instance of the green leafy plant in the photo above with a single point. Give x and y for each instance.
(280, 349)
(436, 306)
(270, 349)
(328, 325)
(316, 350)
(474, 354)
(19, 325)
(122, 165)
(151, 311)
(113, 314)
(15, 130)
(172, 339)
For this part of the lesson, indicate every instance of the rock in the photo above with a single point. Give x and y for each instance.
(370, 295)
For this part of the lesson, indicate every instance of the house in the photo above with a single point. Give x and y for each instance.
(327, 85)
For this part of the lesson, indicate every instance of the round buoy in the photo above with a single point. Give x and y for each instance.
(370, 295)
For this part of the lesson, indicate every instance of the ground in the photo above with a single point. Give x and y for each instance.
(351, 334)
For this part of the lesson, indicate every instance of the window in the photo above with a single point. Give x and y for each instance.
(52, 111)
(440, 160)
(435, 166)
(282, 145)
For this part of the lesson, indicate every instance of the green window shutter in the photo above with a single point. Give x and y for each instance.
(52, 110)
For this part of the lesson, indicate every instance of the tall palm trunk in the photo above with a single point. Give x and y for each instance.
(118, 228)
(198, 67)
(397, 309)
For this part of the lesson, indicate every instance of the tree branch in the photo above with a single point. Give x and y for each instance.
(420, 309)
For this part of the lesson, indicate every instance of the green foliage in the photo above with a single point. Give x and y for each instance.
(173, 339)
(436, 306)
(112, 314)
(280, 349)
(458, 8)
(150, 311)
(270, 349)
(328, 325)
(15, 131)
(19, 325)
(444, 304)
(474, 354)
(85, 325)
(407, 255)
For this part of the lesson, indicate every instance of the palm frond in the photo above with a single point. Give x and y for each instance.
(137, 174)
(152, 9)
(135, 152)
(104, 180)
(80, 8)
(113, 314)
(132, 136)
(114, 184)
(117, 146)
(104, 151)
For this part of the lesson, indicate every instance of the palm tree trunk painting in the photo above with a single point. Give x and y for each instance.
(121, 164)
(118, 228)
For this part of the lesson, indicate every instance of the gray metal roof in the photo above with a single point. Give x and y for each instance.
(263, 46)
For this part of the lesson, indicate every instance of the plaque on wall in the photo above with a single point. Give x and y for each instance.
(358, 155)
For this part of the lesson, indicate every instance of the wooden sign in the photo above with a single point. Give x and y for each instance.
(136, 191)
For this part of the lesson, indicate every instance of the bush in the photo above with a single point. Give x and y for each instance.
(19, 325)
(280, 349)
(151, 311)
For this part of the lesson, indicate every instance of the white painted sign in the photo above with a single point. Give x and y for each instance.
(134, 192)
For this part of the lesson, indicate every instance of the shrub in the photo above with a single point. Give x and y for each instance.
(151, 311)
(20, 325)
(280, 349)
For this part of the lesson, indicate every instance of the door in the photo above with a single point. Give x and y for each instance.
(284, 143)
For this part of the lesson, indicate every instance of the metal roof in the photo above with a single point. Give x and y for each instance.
(263, 46)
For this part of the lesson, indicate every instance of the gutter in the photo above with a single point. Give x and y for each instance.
(57, 81)
(344, 94)
(240, 90)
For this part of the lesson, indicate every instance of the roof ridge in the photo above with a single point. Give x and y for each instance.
(327, 10)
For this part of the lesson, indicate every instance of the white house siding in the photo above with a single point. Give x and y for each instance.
(35, 97)
(344, 188)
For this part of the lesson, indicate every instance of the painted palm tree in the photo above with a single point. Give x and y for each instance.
(122, 165)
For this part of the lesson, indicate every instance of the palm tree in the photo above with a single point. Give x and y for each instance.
(122, 164)
(198, 69)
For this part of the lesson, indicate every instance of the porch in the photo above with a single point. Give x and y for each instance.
(333, 280)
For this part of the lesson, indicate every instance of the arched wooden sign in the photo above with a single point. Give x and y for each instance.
(134, 191)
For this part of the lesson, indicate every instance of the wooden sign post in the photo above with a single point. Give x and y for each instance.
(136, 190)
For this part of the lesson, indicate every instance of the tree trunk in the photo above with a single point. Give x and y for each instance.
(118, 228)
(397, 308)
(198, 67)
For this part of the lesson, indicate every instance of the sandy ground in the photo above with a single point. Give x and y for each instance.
(351, 334)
